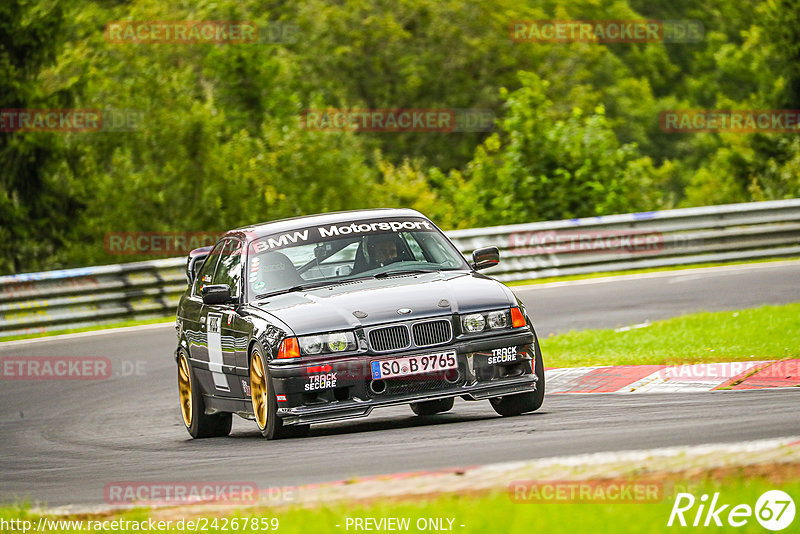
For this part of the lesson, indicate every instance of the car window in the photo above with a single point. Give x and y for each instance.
(316, 261)
(413, 246)
(336, 253)
(436, 252)
(229, 268)
(205, 276)
(347, 255)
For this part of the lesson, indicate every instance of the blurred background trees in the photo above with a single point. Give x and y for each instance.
(38, 198)
(221, 142)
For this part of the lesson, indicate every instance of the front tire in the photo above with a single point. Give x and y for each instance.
(193, 409)
(512, 405)
(265, 403)
(432, 407)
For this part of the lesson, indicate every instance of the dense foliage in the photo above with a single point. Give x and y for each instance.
(221, 142)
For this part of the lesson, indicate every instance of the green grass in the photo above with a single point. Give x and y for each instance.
(765, 333)
(120, 324)
(497, 513)
(589, 276)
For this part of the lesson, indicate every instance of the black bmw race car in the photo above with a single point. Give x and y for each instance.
(322, 318)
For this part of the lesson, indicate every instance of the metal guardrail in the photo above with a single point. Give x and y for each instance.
(652, 239)
(74, 298)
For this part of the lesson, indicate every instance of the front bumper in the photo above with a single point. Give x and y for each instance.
(340, 388)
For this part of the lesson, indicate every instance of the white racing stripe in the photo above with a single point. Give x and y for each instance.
(214, 333)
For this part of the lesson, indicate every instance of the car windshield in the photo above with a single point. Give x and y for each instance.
(321, 255)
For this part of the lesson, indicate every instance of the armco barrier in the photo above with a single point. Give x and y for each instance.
(671, 237)
(73, 298)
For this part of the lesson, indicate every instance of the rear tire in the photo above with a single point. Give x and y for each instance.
(512, 405)
(193, 408)
(432, 407)
(265, 403)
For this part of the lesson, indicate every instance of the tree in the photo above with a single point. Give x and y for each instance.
(39, 199)
(542, 166)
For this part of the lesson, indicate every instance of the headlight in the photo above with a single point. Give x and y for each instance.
(491, 320)
(337, 342)
(311, 344)
(473, 323)
(325, 343)
(498, 319)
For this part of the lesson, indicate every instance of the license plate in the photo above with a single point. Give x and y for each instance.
(414, 365)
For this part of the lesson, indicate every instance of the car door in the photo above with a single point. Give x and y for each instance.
(226, 331)
(194, 320)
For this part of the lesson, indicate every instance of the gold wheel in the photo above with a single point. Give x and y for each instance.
(185, 390)
(258, 390)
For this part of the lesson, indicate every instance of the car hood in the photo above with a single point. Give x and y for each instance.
(370, 302)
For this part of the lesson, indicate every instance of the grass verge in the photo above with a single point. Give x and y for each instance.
(494, 512)
(765, 333)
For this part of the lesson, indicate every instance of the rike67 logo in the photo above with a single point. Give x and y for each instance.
(774, 510)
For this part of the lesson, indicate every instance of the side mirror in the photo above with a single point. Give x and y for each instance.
(483, 258)
(217, 294)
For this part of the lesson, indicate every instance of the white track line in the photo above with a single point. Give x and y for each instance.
(77, 335)
(729, 269)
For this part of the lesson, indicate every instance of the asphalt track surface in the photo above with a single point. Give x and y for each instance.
(61, 442)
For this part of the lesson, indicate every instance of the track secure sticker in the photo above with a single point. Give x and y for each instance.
(325, 381)
(504, 355)
(246, 387)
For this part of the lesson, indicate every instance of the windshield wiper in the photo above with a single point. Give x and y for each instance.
(292, 289)
(314, 285)
(387, 274)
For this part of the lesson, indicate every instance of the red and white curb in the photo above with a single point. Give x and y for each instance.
(674, 378)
